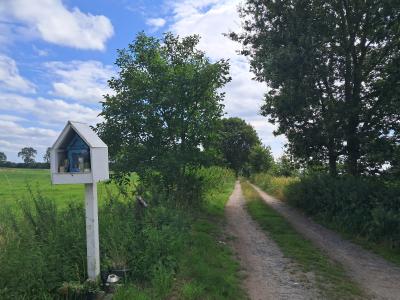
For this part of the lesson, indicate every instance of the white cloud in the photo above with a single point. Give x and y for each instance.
(40, 52)
(51, 112)
(38, 122)
(80, 80)
(211, 19)
(13, 130)
(13, 137)
(10, 79)
(55, 23)
(155, 23)
(13, 118)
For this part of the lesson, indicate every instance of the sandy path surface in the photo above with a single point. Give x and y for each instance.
(378, 277)
(268, 275)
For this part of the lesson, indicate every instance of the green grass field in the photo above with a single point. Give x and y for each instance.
(15, 184)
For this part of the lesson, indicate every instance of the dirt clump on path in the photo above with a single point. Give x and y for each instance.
(379, 278)
(268, 274)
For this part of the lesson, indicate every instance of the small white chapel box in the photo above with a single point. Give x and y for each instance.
(78, 156)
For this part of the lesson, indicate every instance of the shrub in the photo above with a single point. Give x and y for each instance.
(364, 207)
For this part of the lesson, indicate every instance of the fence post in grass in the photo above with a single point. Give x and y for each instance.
(80, 156)
(92, 231)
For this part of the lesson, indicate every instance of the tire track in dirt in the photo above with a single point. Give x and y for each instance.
(378, 277)
(269, 275)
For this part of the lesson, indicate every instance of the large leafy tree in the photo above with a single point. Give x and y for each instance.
(333, 71)
(235, 142)
(3, 157)
(28, 155)
(165, 106)
(260, 159)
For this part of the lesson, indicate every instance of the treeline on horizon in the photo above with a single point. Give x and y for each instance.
(28, 155)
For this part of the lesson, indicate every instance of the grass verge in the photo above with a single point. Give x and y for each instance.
(171, 252)
(374, 224)
(331, 278)
(207, 268)
(382, 249)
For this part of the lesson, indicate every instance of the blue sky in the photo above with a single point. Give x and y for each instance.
(56, 57)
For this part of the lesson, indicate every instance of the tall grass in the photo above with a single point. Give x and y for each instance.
(273, 185)
(165, 248)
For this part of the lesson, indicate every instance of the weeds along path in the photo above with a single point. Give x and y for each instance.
(268, 275)
(379, 278)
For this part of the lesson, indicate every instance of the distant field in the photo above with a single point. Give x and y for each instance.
(14, 185)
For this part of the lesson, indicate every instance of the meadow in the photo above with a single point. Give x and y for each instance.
(17, 183)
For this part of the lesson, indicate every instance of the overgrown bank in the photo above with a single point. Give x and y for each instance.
(365, 210)
(168, 251)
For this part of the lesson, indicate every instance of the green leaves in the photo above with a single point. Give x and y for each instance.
(166, 104)
(235, 142)
(326, 63)
(28, 155)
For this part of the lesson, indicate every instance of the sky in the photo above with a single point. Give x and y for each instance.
(57, 55)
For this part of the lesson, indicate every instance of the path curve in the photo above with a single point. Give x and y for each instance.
(269, 275)
(378, 277)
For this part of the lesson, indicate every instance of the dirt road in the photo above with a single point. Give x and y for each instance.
(379, 278)
(268, 274)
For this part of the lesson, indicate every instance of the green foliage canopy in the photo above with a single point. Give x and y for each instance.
(165, 106)
(235, 141)
(28, 155)
(333, 71)
(260, 159)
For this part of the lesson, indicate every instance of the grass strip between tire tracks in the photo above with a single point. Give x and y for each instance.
(331, 278)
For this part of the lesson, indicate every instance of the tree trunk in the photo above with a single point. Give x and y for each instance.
(353, 147)
(332, 164)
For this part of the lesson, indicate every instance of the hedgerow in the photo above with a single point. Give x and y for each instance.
(366, 207)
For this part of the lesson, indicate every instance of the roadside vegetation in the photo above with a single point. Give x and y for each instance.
(167, 250)
(364, 210)
(331, 278)
(273, 185)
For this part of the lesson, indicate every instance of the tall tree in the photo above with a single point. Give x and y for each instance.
(46, 156)
(331, 68)
(3, 157)
(235, 141)
(166, 104)
(260, 159)
(28, 155)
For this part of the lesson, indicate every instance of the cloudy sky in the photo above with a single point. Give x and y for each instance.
(56, 57)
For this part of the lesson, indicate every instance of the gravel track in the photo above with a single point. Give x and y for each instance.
(268, 274)
(379, 278)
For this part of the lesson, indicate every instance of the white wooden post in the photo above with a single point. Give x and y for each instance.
(76, 134)
(92, 231)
